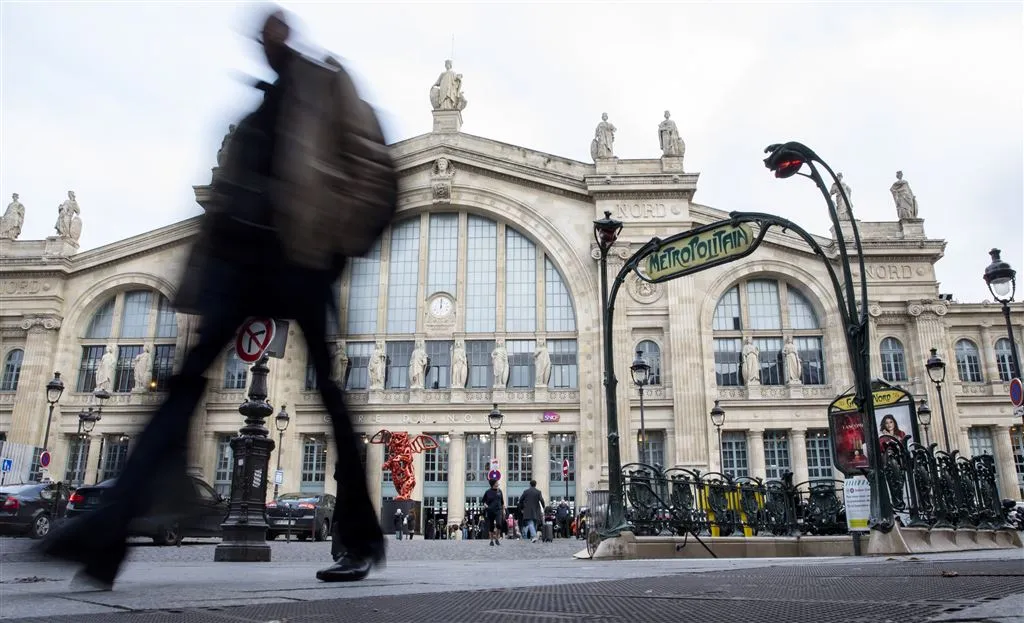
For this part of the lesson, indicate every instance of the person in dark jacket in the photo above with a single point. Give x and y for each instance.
(246, 270)
(494, 505)
(531, 503)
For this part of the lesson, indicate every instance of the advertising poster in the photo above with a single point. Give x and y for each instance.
(894, 415)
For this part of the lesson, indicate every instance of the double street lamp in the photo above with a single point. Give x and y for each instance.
(937, 373)
(54, 390)
(924, 417)
(281, 421)
(494, 420)
(1002, 284)
(718, 419)
(641, 373)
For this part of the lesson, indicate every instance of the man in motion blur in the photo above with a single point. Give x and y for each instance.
(306, 182)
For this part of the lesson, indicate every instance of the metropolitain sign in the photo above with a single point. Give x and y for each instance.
(701, 248)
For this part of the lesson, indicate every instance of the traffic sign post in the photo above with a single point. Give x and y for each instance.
(494, 475)
(1017, 392)
(6, 465)
(44, 459)
(565, 477)
(254, 339)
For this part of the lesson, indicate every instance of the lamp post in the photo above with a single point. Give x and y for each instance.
(87, 419)
(718, 418)
(606, 232)
(937, 373)
(924, 417)
(494, 420)
(54, 390)
(1002, 283)
(281, 421)
(786, 160)
(641, 373)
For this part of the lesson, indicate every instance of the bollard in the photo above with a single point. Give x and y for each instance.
(245, 528)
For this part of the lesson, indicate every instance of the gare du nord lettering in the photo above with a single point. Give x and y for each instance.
(701, 248)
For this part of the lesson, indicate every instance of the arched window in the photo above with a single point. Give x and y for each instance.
(894, 363)
(127, 323)
(754, 309)
(12, 370)
(652, 353)
(968, 362)
(1004, 360)
(444, 268)
(235, 370)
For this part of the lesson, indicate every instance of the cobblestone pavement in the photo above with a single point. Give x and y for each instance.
(201, 550)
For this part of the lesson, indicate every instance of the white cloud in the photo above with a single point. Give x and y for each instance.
(127, 104)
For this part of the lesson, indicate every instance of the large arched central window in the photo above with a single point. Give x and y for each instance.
(766, 311)
(127, 323)
(488, 281)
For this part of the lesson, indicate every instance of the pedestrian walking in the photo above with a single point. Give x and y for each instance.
(399, 522)
(306, 182)
(531, 506)
(494, 505)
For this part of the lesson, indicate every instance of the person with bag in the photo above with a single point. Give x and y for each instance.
(306, 182)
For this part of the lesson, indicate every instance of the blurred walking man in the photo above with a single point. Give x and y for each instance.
(306, 182)
(531, 503)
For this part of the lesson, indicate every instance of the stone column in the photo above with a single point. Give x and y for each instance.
(502, 455)
(876, 351)
(1005, 468)
(755, 453)
(374, 474)
(92, 462)
(418, 470)
(989, 366)
(30, 411)
(689, 398)
(456, 477)
(929, 332)
(962, 442)
(798, 455)
(541, 459)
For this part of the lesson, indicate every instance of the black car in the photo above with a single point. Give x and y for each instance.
(31, 508)
(193, 510)
(302, 514)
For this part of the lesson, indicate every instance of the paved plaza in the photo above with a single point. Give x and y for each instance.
(452, 581)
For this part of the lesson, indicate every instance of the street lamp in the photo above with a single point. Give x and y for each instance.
(87, 419)
(54, 389)
(718, 418)
(281, 421)
(494, 420)
(606, 232)
(1002, 283)
(937, 373)
(641, 372)
(924, 417)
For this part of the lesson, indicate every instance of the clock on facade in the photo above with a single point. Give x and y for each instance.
(441, 306)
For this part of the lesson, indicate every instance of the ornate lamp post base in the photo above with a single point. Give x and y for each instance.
(245, 529)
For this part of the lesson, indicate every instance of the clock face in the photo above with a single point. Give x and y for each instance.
(441, 306)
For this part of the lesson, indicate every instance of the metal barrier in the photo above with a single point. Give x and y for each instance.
(928, 488)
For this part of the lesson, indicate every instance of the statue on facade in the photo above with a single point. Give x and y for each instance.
(842, 208)
(417, 366)
(542, 363)
(604, 139)
(906, 202)
(668, 138)
(446, 94)
(441, 180)
(142, 367)
(751, 362)
(377, 366)
(340, 367)
(499, 364)
(222, 153)
(69, 225)
(13, 219)
(104, 374)
(794, 369)
(460, 367)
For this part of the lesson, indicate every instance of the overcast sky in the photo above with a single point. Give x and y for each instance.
(127, 103)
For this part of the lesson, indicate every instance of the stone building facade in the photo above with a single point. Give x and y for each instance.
(494, 246)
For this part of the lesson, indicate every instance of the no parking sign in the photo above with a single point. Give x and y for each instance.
(254, 339)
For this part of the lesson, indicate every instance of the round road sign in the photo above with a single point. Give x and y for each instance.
(254, 339)
(565, 468)
(494, 475)
(44, 459)
(1016, 392)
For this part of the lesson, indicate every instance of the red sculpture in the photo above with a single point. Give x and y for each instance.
(400, 450)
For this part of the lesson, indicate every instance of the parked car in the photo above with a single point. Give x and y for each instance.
(31, 509)
(172, 518)
(303, 514)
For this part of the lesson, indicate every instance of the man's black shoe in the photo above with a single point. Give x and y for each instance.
(349, 568)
